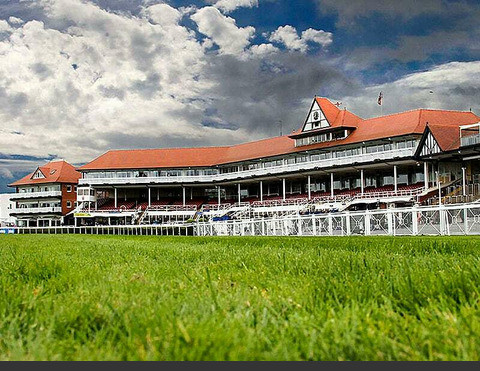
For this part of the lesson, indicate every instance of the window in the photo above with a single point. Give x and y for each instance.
(75, 189)
(69, 188)
(69, 204)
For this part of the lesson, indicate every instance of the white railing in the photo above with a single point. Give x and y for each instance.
(399, 193)
(277, 203)
(413, 221)
(332, 199)
(24, 195)
(287, 168)
(444, 220)
(167, 208)
(470, 140)
(37, 210)
(215, 207)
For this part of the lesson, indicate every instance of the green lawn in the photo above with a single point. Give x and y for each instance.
(74, 297)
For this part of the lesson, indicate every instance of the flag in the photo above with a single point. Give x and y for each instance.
(380, 97)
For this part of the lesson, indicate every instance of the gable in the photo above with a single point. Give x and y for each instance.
(430, 145)
(316, 118)
(38, 174)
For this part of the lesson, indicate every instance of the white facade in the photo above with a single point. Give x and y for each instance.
(6, 207)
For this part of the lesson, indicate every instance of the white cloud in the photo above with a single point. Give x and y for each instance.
(4, 26)
(288, 36)
(348, 11)
(6, 173)
(263, 49)
(15, 20)
(163, 14)
(223, 30)
(107, 81)
(453, 85)
(228, 6)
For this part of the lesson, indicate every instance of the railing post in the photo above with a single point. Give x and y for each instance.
(367, 223)
(391, 231)
(330, 225)
(465, 219)
(444, 227)
(314, 225)
(300, 227)
(347, 223)
(415, 221)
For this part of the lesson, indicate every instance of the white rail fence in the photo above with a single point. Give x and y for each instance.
(443, 220)
(437, 220)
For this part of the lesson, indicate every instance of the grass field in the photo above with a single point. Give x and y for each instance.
(184, 298)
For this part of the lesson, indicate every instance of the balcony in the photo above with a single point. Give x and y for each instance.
(36, 210)
(31, 195)
(264, 171)
(470, 140)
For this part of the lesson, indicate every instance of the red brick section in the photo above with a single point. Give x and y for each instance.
(68, 196)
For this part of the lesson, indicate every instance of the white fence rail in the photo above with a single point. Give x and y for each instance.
(439, 220)
(443, 220)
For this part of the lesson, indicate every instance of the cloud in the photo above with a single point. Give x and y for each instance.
(15, 20)
(228, 6)
(4, 26)
(350, 11)
(163, 14)
(223, 31)
(6, 173)
(455, 86)
(288, 36)
(81, 80)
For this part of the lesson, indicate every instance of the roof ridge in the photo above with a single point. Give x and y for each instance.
(393, 114)
(156, 149)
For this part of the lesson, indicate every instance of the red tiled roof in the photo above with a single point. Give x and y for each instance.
(336, 116)
(400, 124)
(447, 136)
(55, 172)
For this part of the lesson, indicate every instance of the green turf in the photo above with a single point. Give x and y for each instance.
(244, 298)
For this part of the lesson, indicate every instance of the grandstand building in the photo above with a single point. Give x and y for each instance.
(47, 196)
(335, 161)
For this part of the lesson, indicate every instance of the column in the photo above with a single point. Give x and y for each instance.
(149, 197)
(116, 198)
(261, 190)
(464, 181)
(191, 193)
(239, 194)
(218, 194)
(284, 190)
(362, 181)
(183, 195)
(331, 185)
(395, 180)
(439, 188)
(309, 183)
(425, 174)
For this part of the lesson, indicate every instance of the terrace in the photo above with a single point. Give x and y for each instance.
(302, 163)
(32, 195)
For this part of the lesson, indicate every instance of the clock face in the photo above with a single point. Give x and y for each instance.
(316, 115)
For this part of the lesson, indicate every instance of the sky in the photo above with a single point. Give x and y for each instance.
(78, 78)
